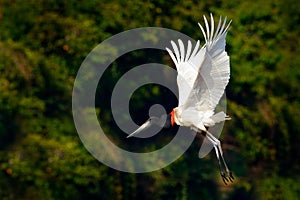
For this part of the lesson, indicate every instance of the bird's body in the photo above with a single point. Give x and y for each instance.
(197, 120)
(203, 73)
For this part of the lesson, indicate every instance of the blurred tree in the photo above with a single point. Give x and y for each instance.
(43, 43)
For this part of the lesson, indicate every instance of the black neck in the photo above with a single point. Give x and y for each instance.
(164, 121)
(167, 123)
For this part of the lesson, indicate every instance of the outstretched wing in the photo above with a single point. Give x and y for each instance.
(203, 74)
(187, 67)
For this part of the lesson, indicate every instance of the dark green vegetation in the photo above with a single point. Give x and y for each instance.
(42, 44)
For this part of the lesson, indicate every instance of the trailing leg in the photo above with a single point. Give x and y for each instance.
(219, 152)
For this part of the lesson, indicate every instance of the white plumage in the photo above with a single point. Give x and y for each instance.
(203, 74)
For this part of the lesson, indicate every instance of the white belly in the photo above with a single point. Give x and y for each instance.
(197, 119)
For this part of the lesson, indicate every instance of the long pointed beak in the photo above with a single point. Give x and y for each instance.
(146, 125)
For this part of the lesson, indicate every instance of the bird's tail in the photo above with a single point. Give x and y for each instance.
(219, 117)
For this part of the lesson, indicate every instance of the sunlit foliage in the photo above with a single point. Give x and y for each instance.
(42, 44)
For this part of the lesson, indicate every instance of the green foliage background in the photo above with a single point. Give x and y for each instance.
(42, 44)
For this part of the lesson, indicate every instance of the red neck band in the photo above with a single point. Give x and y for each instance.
(172, 117)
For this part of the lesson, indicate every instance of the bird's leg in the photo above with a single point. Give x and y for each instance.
(220, 165)
(215, 145)
(230, 176)
(218, 149)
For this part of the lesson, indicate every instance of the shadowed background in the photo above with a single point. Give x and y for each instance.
(42, 45)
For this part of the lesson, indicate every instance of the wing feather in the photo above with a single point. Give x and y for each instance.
(207, 28)
(189, 50)
(212, 24)
(182, 53)
(177, 55)
(195, 49)
(172, 56)
(218, 28)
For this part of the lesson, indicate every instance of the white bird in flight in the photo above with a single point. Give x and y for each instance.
(202, 77)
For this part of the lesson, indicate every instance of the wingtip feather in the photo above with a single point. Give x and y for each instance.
(181, 48)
